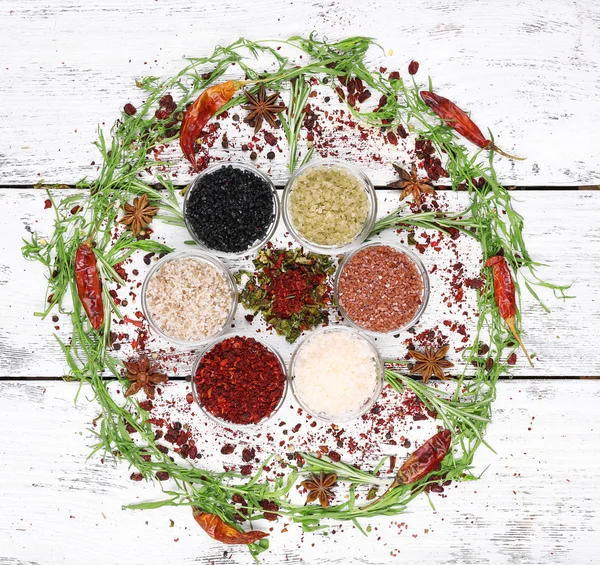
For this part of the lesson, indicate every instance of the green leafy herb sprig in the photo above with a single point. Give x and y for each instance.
(128, 170)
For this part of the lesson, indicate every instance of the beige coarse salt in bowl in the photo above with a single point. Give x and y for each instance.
(189, 298)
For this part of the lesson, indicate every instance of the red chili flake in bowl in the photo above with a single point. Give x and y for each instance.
(239, 380)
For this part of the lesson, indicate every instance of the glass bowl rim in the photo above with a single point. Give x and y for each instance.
(220, 421)
(380, 366)
(420, 267)
(371, 215)
(202, 256)
(272, 228)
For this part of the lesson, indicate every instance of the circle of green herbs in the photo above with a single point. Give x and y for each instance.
(490, 218)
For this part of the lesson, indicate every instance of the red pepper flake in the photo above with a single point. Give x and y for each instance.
(413, 68)
(47, 203)
(512, 359)
(246, 470)
(240, 380)
(391, 137)
(248, 454)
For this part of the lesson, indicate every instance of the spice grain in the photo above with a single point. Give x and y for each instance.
(335, 373)
(189, 299)
(230, 209)
(328, 205)
(380, 288)
(239, 380)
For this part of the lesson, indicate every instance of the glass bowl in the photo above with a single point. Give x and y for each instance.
(222, 421)
(368, 403)
(420, 267)
(201, 257)
(369, 222)
(258, 243)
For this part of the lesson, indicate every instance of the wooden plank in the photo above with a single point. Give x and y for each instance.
(565, 236)
(530, 77)
(536, 503)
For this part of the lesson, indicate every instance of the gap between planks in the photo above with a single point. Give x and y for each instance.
(378, 187)
(188, 379)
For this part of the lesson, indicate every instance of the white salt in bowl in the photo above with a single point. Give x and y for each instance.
(336, 373)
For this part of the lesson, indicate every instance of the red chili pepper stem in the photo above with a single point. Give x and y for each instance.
(510, 322)
(494, 147)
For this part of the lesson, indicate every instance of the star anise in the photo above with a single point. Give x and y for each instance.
(139, 214)
(430, 362)
(320, 487)
(411, 183)
(262, 107)
(143, 374)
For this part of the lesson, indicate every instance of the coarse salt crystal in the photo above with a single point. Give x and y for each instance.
(335, 374)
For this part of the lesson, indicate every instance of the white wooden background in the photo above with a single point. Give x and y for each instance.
(529, 72)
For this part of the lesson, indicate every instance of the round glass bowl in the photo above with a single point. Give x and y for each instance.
(222, 421)
(424, 296)
(369, 221)
(201, 257)
(336, 390)
(270, 231)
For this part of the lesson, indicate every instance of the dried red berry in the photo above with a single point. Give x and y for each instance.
(246, 470)
(227, 449)
(512, 359)
(162, 114)
(413, 67)
(270, 138)
(363, 95)
(248, 454)
(162, 476)
(136, 477)
(129, 109)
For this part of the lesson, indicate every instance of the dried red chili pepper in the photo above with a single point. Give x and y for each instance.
(504, 292)
(425, 459)
(201, 111)
(422, 462)
(220, 531)
(461, 122)
(89, 288)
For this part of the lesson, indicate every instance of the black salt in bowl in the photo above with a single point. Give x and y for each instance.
(231, 209)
